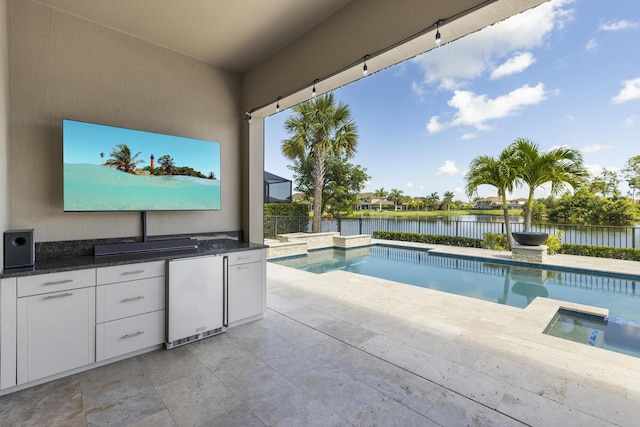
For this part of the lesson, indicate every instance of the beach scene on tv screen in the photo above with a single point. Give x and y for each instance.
(114, 169)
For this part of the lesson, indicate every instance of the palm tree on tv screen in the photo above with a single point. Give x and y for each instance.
(122, 160)
(319, 129)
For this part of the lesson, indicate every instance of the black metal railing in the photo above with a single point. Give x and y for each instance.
(595, 235)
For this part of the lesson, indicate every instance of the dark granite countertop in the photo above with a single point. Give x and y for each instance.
(67, 263)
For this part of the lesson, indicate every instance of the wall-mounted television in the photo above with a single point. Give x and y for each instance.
(109, 168)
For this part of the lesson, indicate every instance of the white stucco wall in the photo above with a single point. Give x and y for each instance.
(61, 66)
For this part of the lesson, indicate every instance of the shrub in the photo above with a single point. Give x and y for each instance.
(554, 243)
(495, 241)
(601, 251)
(428, 238)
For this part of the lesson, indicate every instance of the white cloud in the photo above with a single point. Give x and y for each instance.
(570, 118)
(597, 169)
(476, 110)
(516, 64)
(618, 26)
(448, 168)
(591, 44)
(469, 135)
(418, 89)
(593, 148)
(629, 92)
(409, 185)
(475, 54)
(630, 121)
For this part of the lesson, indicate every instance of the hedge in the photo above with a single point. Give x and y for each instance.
(283, 218)
(286, 209)
(429, 238)
(600, 251)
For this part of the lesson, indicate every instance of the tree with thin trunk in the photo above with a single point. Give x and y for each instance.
(396, 197)
(380, 194)
(496, 172)
(560, 166)
(320, 128)
(447, 199)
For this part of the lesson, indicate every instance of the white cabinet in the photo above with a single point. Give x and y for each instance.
(245, 286)
(130, 308)
(55, 330)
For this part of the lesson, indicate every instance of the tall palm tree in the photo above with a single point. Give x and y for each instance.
(500, 173)
(432, 200)
(447, 198)
(122, 160)
(561, 167)
(319, 128)
(396, 197)
(380, 194)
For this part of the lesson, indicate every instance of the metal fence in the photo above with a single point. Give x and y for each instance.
(595, 235)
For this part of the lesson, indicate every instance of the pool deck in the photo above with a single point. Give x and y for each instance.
(455, 360)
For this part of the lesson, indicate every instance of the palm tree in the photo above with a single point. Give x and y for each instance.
(101, 157)
(500, 173)
(396, 197)
(122, 160)
(560, 166)
(432, 200)
(319, 128)
(167, 164)
(447, 198)
(380, 194)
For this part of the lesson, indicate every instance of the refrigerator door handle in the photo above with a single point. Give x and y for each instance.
(225, 292)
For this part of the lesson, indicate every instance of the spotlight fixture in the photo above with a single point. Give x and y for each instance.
(278, 105)
(365, 69)
(247, 117)
(438, 38)
(313, 91)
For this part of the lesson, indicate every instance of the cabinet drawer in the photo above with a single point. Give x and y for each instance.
(124, 273)
(127, 335)
(55, 282)
(126, 299)
(243, 257)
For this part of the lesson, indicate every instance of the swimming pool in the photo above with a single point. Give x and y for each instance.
(502, 283)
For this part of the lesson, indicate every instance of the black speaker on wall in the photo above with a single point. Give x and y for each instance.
(19, 248)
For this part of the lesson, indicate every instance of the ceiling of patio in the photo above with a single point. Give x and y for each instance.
(231, 34)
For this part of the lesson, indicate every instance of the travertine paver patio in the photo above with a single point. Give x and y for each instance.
(342, 349)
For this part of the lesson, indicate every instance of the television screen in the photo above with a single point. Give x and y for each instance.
(114, 169)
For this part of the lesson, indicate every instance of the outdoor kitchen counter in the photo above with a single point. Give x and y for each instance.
(68, 263)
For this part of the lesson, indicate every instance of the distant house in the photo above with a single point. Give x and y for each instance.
(496, 203)
(368, 202)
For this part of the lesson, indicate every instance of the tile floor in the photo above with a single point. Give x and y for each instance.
(340, 350)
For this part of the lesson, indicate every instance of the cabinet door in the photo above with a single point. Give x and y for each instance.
(245, 299)
(56, 333)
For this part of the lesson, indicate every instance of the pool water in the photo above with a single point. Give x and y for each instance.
(612, 333)
(505, 284)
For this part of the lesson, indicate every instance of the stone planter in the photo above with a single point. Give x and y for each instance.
(530, 238)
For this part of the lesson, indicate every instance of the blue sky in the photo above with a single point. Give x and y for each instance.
(83, 143)
(564, 73)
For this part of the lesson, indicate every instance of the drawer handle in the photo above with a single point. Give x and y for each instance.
(244, 257)
(67, 294)
(243, 267)
(135, 334)
(58, 282)
(132, 272)
(133, 299)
